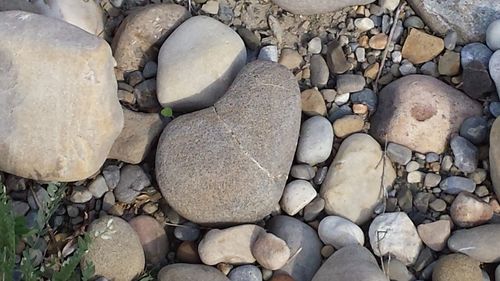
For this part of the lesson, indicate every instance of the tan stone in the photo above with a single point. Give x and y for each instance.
(372, 71)
(313, 103)
(449, 64)
(359, 108)
(291, 59)
(435, 234)
(270, 251)
(60, 112)
(139, 133)
(188, 252)
(421, 113)
(421, 47)
(363, 41)
(141, 34)
(495, 156)
(153, 238)
(348, 125)
(467, 210)
(190, 272)
(457, 267)
(378, 41)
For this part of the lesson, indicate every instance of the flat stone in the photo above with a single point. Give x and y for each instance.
(421, 47)
(312, 103)
(435, 234)
(348, 125)
(314, 208)
(395, 234)
(141, 34)
(336, 59)
(195, 272)
(86, 15)
(356, 164)
(302, 172)
(340, 232)
(296, 196)
(348, 83)
(430, 68)
(378, 41)
(466, 154)
(111, 174)
(291, 59)
(267, 116)
(304, 245)
(232, 245)
(314, 46)
(495, 156)
(187, 232)
(153, 238)
(98, 187)
(455, 185)
(354, 263)
(432, 180)
(268, 53)
(469, 21)
(140, 132)
(133, 180)
(398, 153)
(421, 113)
(481, 242)
(187, 252)
(363, 24)
(438, 205)
(270, 251)
(449, 64)
(80, 195)
(319, 71)
(115, 251)
(245, 273)
(457, 267)
(211, 7)
(49, 131)
(450, 40)
(184, 56)
(311, 7)
(338, 112)
(467, 210)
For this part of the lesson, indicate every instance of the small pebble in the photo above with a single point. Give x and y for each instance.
(438, 205)
(314, 46)
(412, 166)
(80, 195)
(474, 129)
(269, 53)
(296, 195)
(187, 232)
(245, 273)
(450, 40)
(398, 153)
(432, 180)
(431, 157)
(415, 177)
(455, 185)
(364, 24)
(302, 172)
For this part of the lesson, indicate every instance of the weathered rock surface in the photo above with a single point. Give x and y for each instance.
(115, 251)
(203, 48)
(495, 156)
(153, 238)
(232, 245)
(352, 187)
(469, 19)
(457, 267)
(395, 234)
(481, 242)
(353, 263)
(421, 112)
(86, 15)
(298, 235)
(60, 113)
(140, 131)
(141, 34)
(240, 151)
(190, 272)
(311, 7)
(435, 234)
(467, 210)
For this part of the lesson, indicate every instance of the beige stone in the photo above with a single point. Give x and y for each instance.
(495, 156)
(115, 251)
(291, 59)
(449, 63)
(435, 234)
(467, 210)
(378, 41)
(270, 251)
(240, 151)
(232, 245)
(190, 272)
(140, 35)
(348, 125)
(60, 113)
(311, 7)
(421, 47)
(197, 63)
(153, 238)
(457, 267)
(313, 103)
(371, 71)
(139, 133)
(421, 113)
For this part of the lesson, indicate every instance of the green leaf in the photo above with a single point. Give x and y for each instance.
(69, 265)
(167, 112)
(7, 238)
(28, 270)
(88, 271)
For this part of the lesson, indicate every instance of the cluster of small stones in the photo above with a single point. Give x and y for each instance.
(428, 215)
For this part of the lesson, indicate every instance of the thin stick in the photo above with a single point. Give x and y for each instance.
(389, 42)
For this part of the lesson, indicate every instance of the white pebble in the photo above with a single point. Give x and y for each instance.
(364, 24)
(296, 196)
(314, 46)
(269, 53)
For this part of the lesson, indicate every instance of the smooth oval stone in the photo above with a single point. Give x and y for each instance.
(60, 113)
(190, 272)
(352, 187)
(466, 154)
(245, 273)
(115, 251)
(340, 232)
(481, 243)
(315, 141)
(353, 263)
(495, 156)
(197, 63)
(86, 15)
(141, 34)
(474, 129)
(298, 235)
(455, 185)
(493, 35)
(467, 210)
(239, 151)
(457, 267)
(421, 112)
(311, 7)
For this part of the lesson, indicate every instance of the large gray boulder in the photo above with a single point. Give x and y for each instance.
(353, 263)
(60, 113)
(311, 7)
(469, 19)
(481, 242)
(87, 15)
(229, 163)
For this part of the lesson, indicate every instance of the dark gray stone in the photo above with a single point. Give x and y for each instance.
(469, 20)
(229, 163)
(495, 108)
(251, 40)
(425, 258)
(338, 112)
(475, 59)
(298, 235)
(245, 273)
(481, 243)
(145, 94)
(111, 174)
(366, 97)
(150, 69)
(133, 180)
(466, 154)
(319, 71)
(187, 232)
(475, 130)
(349, 83)
(475, 52)
(455, 185)
(336, 59)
